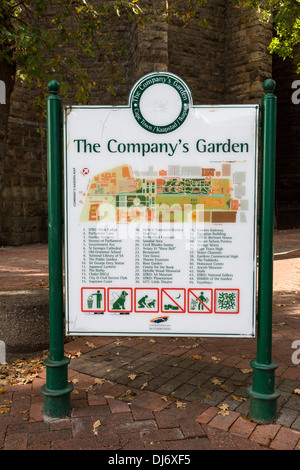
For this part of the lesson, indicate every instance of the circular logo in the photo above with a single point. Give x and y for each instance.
(160, 102)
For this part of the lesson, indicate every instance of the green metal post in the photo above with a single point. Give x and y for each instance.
(57, 389)
(263, 395)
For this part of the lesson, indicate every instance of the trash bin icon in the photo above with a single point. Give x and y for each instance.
(90, 301)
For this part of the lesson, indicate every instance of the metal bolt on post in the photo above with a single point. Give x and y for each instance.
(57, 390)
(263, 395)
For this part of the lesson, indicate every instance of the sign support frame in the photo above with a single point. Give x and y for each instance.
(57, 390)
(263, 394)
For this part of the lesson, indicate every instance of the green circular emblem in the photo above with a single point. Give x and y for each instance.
(160, 102)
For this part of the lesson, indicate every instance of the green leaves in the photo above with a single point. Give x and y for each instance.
(285, 15)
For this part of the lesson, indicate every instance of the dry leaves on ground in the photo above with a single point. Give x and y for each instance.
(75, 355)
(21, 371)
(4, 409)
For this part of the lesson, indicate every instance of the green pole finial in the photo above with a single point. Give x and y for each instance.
(53, 87)
(57, 390)
(269, 85)
(263, 395)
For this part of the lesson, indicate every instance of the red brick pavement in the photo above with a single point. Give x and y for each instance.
(108, 416)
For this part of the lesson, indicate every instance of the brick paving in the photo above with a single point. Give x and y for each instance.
(159, 394)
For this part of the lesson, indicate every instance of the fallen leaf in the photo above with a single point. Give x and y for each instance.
(141, 372)
(2, 391)
(99, 381)
(227, 389)
(77, 354)
(101, 354)
(216, 381)
(236, 398)
(43, 284)
(4, 409)
(180, 404)
(246, 418)
(214, 358)
(152, 341)
(90, 345)
(196, 356)
(127, 396)
(246, 371)
(223, 410)
(144, 386)
(132, 376)
(297, 390)
(96, 426)
(189, 346)
(208, 396)
(75, 381)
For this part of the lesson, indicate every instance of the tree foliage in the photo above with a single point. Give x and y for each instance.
(47, 38)
(285, 15)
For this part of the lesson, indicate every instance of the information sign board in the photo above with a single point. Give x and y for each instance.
(160, 215)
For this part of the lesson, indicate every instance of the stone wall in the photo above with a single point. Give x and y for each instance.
(224, 63)
(247, 59)
(197, 54)
(24, 195)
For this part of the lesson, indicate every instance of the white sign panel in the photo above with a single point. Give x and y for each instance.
(160, 215)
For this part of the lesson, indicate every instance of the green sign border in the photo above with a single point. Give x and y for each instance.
(154, 79)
